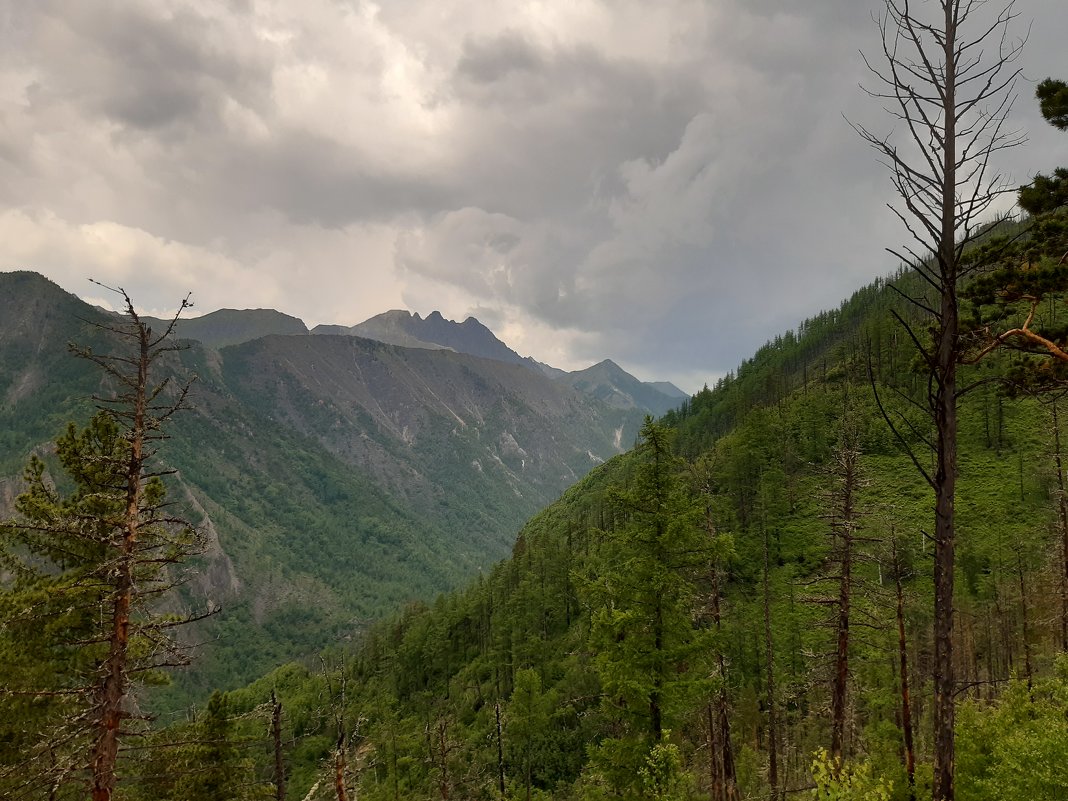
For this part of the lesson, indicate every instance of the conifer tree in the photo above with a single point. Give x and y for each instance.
(527, 726)
(89, 567)
(1024, 273)
(643, 595)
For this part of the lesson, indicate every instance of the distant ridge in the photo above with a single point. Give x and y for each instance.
(608, 382)
(668, 389)
(399, 327)
(224, 327)
(605, 381)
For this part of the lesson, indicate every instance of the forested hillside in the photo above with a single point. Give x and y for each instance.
(336, 477)
(702, 615)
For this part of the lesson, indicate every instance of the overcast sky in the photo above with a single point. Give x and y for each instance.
(667, 183)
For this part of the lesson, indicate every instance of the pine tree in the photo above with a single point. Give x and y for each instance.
(89, 566)
(643, 597)
(1025, 272)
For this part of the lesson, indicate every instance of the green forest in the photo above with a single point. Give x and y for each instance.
(751, 603)
(670, 628)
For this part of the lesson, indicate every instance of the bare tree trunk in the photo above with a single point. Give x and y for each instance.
(944, 559)
(945, 417)
(1062, 508)
(903, 667)
(1025, 624)
(773, 723)
(954, 106)
(340, 766)
(276, 740)
(338, 703)
(846, 458)
(500, 749)
(442, 755)
(112, 691)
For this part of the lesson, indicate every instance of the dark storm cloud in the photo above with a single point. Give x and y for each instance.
(487, 62)
(551, 125)
(313, 180)
(143, 68)
(686, 187)
(667, 184)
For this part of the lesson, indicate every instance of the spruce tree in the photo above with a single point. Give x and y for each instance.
(642, 595)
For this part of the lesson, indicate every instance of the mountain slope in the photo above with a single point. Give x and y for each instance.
(41, 384)
(608, 382)
(475, 442)
(338, 477)
(669, 389)
(531, 643)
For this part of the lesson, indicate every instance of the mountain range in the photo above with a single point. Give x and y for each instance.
(338, 475)
(605, 381)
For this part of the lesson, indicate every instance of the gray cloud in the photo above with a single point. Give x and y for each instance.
(143, 68)
(669, 185)
(488, 62)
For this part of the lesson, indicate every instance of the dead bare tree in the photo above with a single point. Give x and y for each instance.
(337, 702)
(844, 521)
(947, 76)
(769, 664)
(276, 743)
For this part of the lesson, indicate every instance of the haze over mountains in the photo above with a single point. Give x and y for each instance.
(338, 475)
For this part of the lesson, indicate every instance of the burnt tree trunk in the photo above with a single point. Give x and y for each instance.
(276, 741)
(844, 528)
(340, 767)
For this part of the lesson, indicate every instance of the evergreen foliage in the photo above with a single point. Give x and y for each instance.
(533, 676)
(546, 636)
(639, 588)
